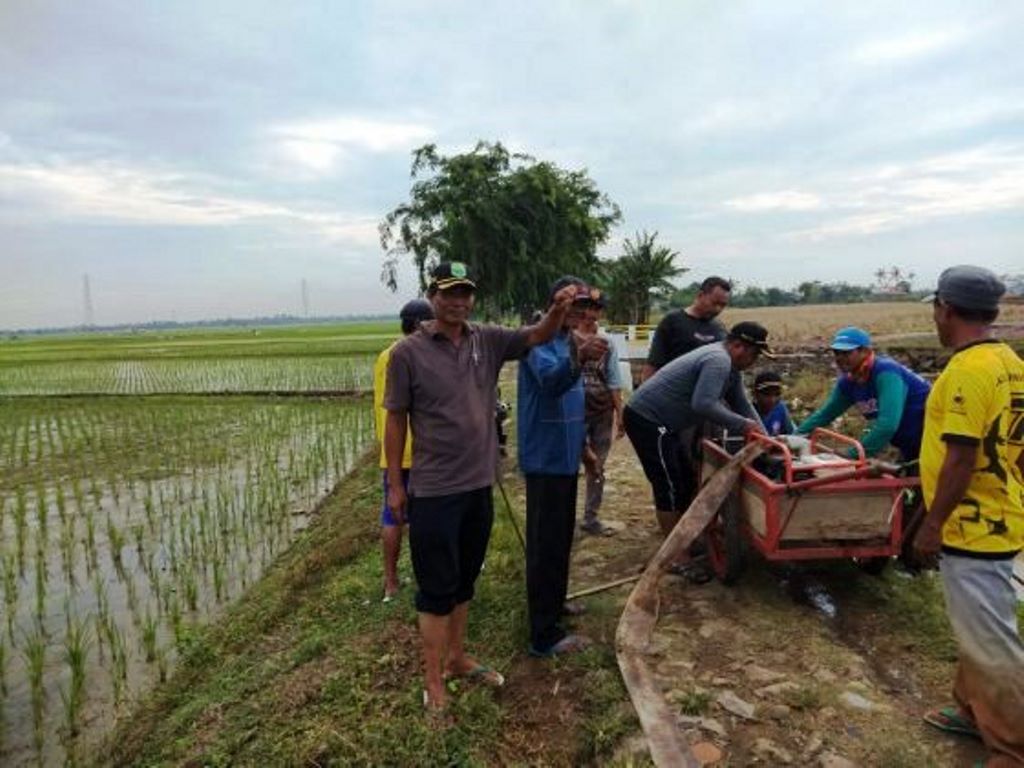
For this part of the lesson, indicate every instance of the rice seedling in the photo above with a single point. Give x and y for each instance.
(117, 541)
(20, 525)
(149, 628)
(41, 580)
(42, 516)
(34, 652)
(76, 650)
(10, 572)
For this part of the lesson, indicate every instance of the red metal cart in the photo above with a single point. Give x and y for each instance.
(824, 508)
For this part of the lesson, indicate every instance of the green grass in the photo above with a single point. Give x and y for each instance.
(313, 668)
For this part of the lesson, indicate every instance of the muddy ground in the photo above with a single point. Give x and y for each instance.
(788, 667)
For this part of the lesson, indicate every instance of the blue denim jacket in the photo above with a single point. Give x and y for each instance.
(550, 418)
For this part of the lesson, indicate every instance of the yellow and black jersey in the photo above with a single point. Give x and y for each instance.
(979, 400)
(380, 380)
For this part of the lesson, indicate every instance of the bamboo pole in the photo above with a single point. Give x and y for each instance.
(602, 587)
(667, 746)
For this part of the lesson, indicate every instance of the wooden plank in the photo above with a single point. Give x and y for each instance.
(633, 635)
(754, 510)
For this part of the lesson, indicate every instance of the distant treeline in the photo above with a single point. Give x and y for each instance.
(809, 292)
(227, 322)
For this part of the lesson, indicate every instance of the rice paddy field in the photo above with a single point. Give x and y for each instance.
(137, 501)
(328, 358)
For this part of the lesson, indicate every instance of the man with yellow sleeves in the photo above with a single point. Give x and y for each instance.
(413, 313)
(972, 475)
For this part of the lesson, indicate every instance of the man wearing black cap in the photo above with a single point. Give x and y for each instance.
(972, 476)
(442, 379)
(412, 314)
(682, 396)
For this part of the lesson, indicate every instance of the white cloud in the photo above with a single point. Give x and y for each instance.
(143, 196)
(318, 146)
(980, 180)
(786, 200)
(911, 46)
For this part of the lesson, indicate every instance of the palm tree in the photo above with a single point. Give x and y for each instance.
(643, 272)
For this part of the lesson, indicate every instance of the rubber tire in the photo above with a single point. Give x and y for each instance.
(725, 542)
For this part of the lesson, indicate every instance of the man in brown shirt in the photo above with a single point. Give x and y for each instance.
(443, 378)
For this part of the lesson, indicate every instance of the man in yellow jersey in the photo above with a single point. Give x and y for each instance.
(413, 313)
(972, 475)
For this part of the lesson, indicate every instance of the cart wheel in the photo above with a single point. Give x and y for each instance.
(725, 545)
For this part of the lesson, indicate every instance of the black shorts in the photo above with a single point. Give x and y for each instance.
(665, 459)
(448, 538)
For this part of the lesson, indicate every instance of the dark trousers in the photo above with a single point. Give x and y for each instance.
(550, 521)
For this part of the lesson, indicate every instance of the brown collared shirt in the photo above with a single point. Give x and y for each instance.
(450, 395)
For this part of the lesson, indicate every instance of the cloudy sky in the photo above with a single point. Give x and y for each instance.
(200, 159)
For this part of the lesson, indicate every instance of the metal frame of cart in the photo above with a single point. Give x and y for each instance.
(849, 508)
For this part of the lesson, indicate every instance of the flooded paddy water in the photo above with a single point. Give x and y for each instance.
(126, 522)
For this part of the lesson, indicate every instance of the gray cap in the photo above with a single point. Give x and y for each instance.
(969, 287)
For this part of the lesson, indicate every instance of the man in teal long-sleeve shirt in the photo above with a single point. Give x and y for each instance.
(889, 395)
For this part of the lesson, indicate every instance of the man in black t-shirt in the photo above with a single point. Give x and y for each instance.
(683, 330)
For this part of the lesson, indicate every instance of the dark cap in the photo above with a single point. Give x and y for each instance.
(415, 312)
(969, 287)
(448, 274)
(767, 380)
(582, 290)
(751, 333)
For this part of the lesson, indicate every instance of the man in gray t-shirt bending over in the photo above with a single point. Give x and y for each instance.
(679, 398)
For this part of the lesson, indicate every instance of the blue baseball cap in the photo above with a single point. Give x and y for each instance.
(850, 338)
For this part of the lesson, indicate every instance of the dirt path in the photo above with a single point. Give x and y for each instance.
(792, 667)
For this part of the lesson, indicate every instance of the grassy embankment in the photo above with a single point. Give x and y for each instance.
(312, 668)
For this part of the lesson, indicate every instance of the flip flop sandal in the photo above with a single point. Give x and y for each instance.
(482, 674)
(950, 720)
(568, 644)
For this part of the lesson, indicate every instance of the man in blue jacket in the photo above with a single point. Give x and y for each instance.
(889, 395)
(551, 432)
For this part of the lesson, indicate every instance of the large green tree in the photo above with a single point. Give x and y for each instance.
(519, 224)
(642, 274)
